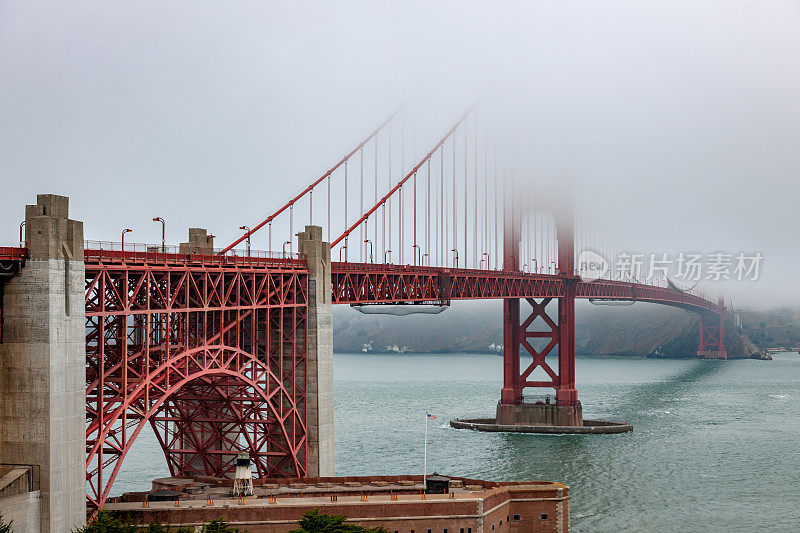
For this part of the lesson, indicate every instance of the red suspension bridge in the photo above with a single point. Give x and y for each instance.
(222, 351)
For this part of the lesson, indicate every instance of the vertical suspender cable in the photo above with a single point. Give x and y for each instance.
(375, 192)
(505, 215)
(329, 208)
(428, 216)
(364, 228)
(496, 183)
(389, 201)
(466, 194)
(414, 231)
(475, 258)
(401, 244)
(455, 200)
(440, 244)
(485, 244)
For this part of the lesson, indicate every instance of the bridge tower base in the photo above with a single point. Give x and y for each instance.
(712, 334)
(43, 364)
(565, 409)
(539, 414)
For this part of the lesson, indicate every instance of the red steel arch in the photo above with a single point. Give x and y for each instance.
(211, 352)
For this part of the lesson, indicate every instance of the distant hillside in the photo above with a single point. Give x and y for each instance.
(773, 328)
(641, 330)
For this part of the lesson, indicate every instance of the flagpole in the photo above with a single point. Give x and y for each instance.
(425, 463)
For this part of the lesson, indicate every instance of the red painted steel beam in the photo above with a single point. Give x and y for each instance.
(10, 253)
(566, 393)
(202, 339)
(361, 283)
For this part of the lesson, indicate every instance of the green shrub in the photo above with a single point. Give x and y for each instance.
(219, 526)
(105, 522)
(316, 522)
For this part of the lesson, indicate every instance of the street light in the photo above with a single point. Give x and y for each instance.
(126, 230)
(455, 258)
(163, 230)
(370, 248)
(247, 229)
(21, 239)
(535, 265)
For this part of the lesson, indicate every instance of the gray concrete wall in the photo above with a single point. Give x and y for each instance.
(200, 242)
(43, 364)
(529, 414)
(320, 352)
(25, 510)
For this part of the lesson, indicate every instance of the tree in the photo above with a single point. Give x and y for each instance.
(105, 522)
(316, 522)
(219, 526)
(5, 528)
(157, 527)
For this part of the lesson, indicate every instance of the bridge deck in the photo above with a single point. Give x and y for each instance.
(359, 283)
(362, 283)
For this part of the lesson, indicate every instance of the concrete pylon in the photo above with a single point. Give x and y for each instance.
(200, 242)
(320, 352)
(43, 364)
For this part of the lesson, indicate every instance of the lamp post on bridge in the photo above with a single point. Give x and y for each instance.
(455, 258)
(126, 230)
(367, 241)
(163, 233)
(247, 229)
(21, 239)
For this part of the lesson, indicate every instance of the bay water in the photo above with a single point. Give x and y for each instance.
(715, 445)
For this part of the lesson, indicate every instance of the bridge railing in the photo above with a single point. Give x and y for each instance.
(13, 253)
(107, 251)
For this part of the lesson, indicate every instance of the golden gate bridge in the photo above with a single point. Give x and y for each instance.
(222, 351)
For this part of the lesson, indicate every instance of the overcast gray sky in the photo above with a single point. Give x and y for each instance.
(680, 121)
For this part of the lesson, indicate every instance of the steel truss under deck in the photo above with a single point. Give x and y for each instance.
(211, 354)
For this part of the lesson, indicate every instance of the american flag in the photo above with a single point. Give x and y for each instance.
(430, 416)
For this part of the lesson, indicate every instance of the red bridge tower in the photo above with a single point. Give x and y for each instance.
(558, 332)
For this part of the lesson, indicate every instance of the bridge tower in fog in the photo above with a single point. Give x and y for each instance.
(712, 334)
(521, 329)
